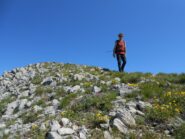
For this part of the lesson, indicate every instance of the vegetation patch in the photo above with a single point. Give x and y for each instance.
(43, 90)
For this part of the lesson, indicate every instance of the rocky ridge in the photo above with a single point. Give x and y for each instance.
(60, 101)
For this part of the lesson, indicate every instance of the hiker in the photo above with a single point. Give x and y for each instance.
(120, 52)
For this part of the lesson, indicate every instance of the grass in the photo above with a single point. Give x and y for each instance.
(180, 132)
(66, 100)
(36, 80)
(43, 90)
(101, 102)
(3, 104)
(150, 89)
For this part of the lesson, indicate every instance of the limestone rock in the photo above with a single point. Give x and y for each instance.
(120, 126)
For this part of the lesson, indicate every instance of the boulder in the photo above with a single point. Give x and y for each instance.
(65, 131)
(107, 135)
(120, 126)
(54, 125)
(125, 116)
(53, 135)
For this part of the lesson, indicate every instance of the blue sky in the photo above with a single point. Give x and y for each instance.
(84, 32)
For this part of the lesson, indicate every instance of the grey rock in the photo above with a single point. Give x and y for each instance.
(47, 81)
(107, 135)
(82, 135)
(65, 122)
(78, 77)
(25, 94)
(43, 126)
(37, 108)
(104, 126)
(112, 113)
(167, 132)
(53, 135)
(140, 113)
(6, 131)
(96, 89)
(22, 104)
(131, 104)
(125, 116)
(54, 125)
(55, 103)
(65, 131)
(11, 106)
(75, 89)
(120, 126)
(2, 125)
(75, 127)
(50, 110)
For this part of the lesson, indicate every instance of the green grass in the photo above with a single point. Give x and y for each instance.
(36, 80)
(101, 102)
(66, 100)
(180, 132)
(150, 89)
(4, 103)
(43, 90)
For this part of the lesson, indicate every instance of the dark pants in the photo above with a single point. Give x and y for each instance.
(121, 58)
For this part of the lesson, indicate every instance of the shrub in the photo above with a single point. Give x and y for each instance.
(180, 132)
(37, 79)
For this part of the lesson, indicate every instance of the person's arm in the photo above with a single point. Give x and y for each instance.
(114, 51)
(125, 47)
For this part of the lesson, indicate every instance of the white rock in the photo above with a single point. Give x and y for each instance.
(96, 89)
(65, 131)
(82, 135)
(120, 125)
(107, 135)
(11, 107)
(78, 77)
(104, 126)
(75, 127)
(55, 103)
(43, 126)
(112, 114)
(54, 125)
(28, 104)
(50, 110)
(6, 131)
(22, 104)
(140, 113)
(75, 89)
(2, 125)
(25, 93)
(125, 116)
(117, 79)
(65, 122)
(37, 108)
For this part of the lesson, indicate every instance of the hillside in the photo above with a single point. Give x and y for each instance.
(67, 101)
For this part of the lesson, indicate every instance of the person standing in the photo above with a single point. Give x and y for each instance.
(120, 52)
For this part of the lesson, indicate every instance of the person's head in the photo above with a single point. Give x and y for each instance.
(120, 36)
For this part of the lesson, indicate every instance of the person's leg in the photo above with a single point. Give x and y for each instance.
(123, 58)
(119, 61)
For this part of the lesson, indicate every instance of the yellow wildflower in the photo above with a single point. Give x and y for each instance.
(168, 94)
(177, 110)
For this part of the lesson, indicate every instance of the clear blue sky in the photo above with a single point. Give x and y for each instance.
(84, 32)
